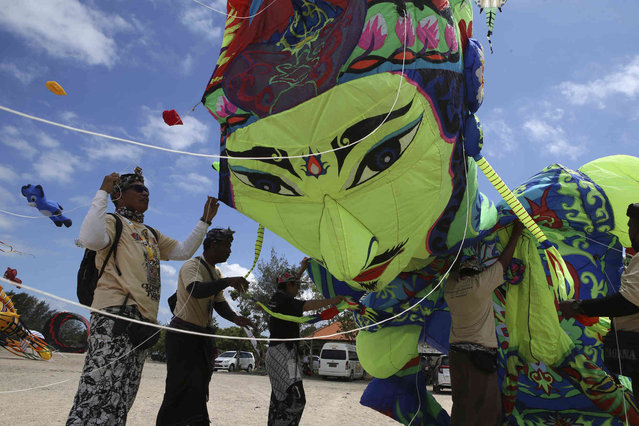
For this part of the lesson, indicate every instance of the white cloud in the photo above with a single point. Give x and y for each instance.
(6, 223)
(22, 146)
(179, 137)
(26, 74)
(234, 270)
(69, 117)
(552, 138)
(498, 135)
(192, 183)
(6, 195)
(57, 165)
(624, 81)
(65, 28)
(199, 20)
(81, 200)
(47, 141)
(168, 269)
(187, 64)
(101, 149)
(7, 174)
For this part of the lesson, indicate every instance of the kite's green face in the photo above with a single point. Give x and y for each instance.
(365, 210)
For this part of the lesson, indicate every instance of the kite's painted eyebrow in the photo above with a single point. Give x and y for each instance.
(361, 129)
(264, 151)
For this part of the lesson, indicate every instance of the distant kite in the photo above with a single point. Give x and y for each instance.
(11, 250)
(55, 88)
(172, 117)
(35, 198)
(12, 275)
(491, 6)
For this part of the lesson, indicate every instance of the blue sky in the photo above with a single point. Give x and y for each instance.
(561, 87)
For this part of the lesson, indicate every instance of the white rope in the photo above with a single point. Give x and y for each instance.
(35, 387)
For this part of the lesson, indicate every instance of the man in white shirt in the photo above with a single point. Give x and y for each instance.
(129, 286)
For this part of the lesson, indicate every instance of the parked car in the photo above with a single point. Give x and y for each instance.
(309, 366)
(235, 361)
(340, 360)
(441, 374)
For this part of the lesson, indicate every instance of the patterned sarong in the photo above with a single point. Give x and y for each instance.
(287, 392)
(110, 377)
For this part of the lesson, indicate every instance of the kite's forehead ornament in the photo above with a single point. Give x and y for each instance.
(286, 55)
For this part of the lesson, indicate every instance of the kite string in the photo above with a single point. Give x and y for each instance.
(233, 16)
(461, 245)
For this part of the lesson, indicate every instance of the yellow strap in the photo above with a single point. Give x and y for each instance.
(258, 248)
(556, 265)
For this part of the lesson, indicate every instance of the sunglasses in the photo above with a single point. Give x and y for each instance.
(139, 188)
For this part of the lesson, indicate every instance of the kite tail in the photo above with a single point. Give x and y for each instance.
(556, 265)
(7, 303)
(258, 248)
(18, 340)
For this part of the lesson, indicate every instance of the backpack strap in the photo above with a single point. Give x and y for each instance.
(206, 266)
(154, 232)
(114, 246)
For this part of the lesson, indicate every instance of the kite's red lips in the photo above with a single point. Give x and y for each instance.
(372, 273)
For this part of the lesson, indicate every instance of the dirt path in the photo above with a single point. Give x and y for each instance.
(236, 398)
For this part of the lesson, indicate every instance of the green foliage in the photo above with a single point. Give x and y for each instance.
(232, 344)
(159, 345)
(262, 289)
(34, 313)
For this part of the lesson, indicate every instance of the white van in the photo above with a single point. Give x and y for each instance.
(340, 360)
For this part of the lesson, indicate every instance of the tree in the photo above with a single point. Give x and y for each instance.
(233, 344)
(34, 313)
(347, 323)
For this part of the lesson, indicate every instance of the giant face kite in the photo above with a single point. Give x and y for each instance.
(343, 124)
(367, 99)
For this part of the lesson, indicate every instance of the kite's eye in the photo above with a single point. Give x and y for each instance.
(384, 154)
(265, 182)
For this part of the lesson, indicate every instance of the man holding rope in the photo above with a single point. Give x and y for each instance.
(129, 286)
(282, 358)
(473, 343)
(200, 290)
(620, 344)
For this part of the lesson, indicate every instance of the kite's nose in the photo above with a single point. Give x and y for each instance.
(347, 246)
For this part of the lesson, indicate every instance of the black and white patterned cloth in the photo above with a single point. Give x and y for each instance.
(287, 392)
(111, 374)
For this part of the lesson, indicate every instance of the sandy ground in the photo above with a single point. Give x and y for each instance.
(41, 392)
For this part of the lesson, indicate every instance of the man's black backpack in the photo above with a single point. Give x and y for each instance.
(88, 274)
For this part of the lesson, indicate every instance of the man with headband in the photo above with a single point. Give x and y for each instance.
(129, 286)
(200, 290)
(622, 342)
(282, 358)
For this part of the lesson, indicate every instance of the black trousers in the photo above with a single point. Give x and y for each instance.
(189, 370)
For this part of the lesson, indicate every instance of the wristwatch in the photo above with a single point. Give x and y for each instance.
(205, 221)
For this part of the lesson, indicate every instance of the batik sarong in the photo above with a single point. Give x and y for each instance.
(287, 392)
(110, 377)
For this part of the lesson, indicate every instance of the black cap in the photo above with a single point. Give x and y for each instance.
(219, 234)
(633, 211)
